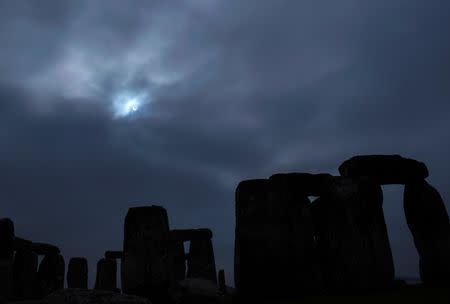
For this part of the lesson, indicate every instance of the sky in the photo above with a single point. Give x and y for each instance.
(107, 105)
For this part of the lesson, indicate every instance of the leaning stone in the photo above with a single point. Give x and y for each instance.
(51, 274)
(185, 235)
(307, 184)
(116, 255)
(351, 236)
(429, 224)
(146, 264)
(25, 275)
(106, 278)
(77, 273)
(384, 169)
(201, 262)
(176, 250)
(6, 258)
(84, 296)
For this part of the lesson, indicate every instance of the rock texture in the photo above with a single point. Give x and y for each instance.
(384, 169)
(351, 236)
(77, 273)
(429, 224)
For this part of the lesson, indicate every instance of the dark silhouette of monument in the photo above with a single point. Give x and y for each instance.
(285, 245)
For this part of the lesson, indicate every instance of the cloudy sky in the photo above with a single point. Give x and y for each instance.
(105, 105)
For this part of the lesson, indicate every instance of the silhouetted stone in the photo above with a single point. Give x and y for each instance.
(77, 273)
(351, 236)
(118, 255)
(221, 280)
(146, 264)
(201, 262)
(307, 184)
(185, 235)
(83, 296)
(6, 257)
(25, 275)
(51, 274)
(106, 278)
(274, 243)
(429, 224)
(176, 250)
(384, 169)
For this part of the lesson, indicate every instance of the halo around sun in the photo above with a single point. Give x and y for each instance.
(127, 104)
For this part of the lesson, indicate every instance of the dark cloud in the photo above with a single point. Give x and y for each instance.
(234, 90)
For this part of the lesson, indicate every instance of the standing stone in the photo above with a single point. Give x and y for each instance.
(51, 274)
(116, 255)
(429, 224)
(176, 250)
(201, 262)
(146, 265)
(106, 278)
(6, 257)
(77, 273)
(274, 240)
(25, 275)
(351, 236)
(384, 169)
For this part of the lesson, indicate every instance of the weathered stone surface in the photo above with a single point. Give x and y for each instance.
(25, 275)
(201, 262)
(305, 183)
(77, 273)
(6, 257)
(429, 224)
(384, 169)
(274, 242)
(106, 278)
(84, 296)
(185, 235)
(118, 255)
(146, 265)
(176, 251)
(51, 274)
(351, 236)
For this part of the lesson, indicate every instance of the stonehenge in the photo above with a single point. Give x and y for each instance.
(341, 236)
(286, 243)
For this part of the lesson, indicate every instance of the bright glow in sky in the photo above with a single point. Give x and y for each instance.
(126, 104)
